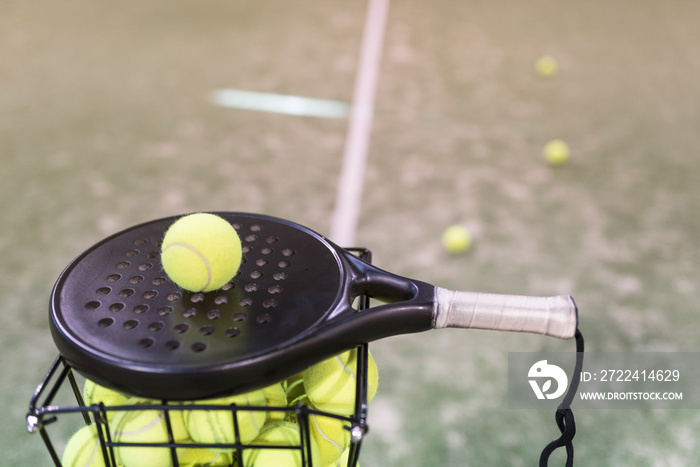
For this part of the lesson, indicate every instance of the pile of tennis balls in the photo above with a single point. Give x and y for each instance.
(328, 386)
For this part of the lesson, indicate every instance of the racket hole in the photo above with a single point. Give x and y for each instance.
(196, 298)
(126, 293)
(239, 316)
(132, 253)
(255, 228)
(256, 275)
(246, 249)
(237, 226)
(165, 310)
(206, 330)
(159, 281)
(272, 240)
(269, 303)
(115, 307)
(228, 286)
(221, 300)
(146, 343)
(283, 264)
(156, 326)
(135, 279)
(287, 252)
(266, 251)
(213, 314)
(123, 265)
(113, 277)
(181, 328)
(149, 294)
(279, 276)
(232, 332)
(245, 301)
(275, 289)
(103, 290)
(251, 238)
(172, 345)
(105, 323)
(174, 296)
(261, 262)
(263, 318)
(189, 313)
(130, 324)
(140, 241)
(251, 287)
(139, 309)
(153, 254)
(94, 305)
(145, 266)
(199, 347)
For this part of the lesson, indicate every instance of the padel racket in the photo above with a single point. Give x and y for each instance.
(118, 319)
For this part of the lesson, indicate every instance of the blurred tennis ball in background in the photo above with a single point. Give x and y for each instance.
(456, 239)
(201, 252)
(546, 66)
(556, 152)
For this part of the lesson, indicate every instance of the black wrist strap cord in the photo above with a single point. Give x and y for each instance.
(564, 415)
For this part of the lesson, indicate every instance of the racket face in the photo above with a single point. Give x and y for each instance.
(115, 309)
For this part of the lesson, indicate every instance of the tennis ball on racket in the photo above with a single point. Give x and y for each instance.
(456, 239)
(201, 252)
(93, 393)
(83, 449)
(556, 152)
(216, 426)
(331, 436)
(331, 384)
(279, 433)
(546, 65)
(146, 426)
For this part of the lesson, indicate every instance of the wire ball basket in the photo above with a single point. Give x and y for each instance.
(44, 413)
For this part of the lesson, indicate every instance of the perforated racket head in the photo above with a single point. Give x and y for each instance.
(118, 319)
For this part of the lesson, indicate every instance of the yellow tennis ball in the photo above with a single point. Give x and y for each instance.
(546, 65)
(279, 433)
(556, 152)
(331, 384)
(146, 426)
(83, 449)
(201, 252)
(275, 396)
(456, 239)
(196, 457)
(216, 426)
(343, 461)
(331, 436)
(93, 393)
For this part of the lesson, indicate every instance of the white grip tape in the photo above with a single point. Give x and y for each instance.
(553, 316)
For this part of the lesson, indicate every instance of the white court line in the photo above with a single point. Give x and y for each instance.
(351, 183)
(279, 103)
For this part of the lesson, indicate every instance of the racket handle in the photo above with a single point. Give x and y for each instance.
(553, 316)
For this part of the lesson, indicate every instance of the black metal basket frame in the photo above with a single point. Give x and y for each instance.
(42, 412)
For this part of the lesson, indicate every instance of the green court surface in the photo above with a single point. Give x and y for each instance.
(106, 121)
